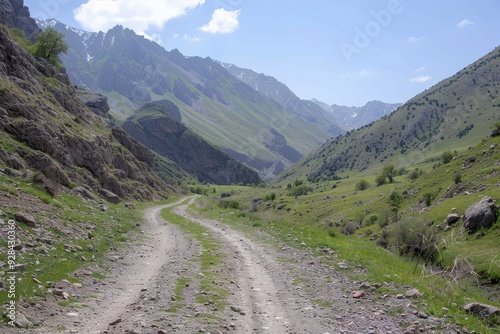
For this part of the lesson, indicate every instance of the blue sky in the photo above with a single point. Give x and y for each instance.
(345, 52)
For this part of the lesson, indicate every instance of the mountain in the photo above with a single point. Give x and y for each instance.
(454, 114)
(51, 136)
(157, 126)
(280, 93)
(356, 117)
(131, 70)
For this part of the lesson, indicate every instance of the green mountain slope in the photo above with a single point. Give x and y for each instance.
(452, 115)
(131, 70)
(157, 126)
(281, 94)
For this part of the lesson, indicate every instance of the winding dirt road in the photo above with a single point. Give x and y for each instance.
(154, 288)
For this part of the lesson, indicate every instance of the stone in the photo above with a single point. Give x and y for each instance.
(84, 192)
(22, 321)
(482, 310)
(452, 218)
(480, 215)
(358, 294)
(25, 218)
(422, 315)
(19, 267)
(109, 196)
(413, 293)
(116, 322)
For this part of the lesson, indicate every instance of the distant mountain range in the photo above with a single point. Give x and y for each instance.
(246, 124)
(356, 117)
(454, 114)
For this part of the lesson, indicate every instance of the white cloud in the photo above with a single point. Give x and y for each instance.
(413, 39)
(222, 22)
(421, 69)
(192, 39)
(464, 23)
(421, 78)
(139, 15)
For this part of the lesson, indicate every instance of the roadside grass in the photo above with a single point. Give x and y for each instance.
(210, 293)
(64, 247)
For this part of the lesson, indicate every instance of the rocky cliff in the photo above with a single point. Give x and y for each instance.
(45, 128)
(157, 126)
(14, 14)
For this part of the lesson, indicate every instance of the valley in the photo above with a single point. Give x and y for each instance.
(145, 191)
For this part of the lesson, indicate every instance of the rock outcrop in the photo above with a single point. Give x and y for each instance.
(14, 14)
(482, 214)
(56, 134)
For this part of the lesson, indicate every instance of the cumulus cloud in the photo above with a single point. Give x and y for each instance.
(222, 22)
(191, 39)
(421, 78)
(139, 15)
(464, 23)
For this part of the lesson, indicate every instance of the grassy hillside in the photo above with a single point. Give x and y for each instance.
(361, 229)
(452, 115)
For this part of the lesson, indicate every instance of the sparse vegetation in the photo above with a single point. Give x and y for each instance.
(362, 185)
(49, 45)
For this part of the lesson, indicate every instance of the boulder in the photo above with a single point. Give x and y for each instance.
(84, 192)
(482, 214)
(109, 196)
(452, 219)
(25, 218)
(482, 310)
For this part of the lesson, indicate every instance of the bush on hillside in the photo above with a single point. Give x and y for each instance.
(362, 185)
(447, 157)
(225, 204)
(413, 237)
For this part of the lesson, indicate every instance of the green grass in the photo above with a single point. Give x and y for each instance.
(209, 260)
(111, 230)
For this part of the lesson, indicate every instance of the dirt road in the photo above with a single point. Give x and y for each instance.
(155, 288)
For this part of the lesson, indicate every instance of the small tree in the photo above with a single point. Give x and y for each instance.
(389, 172)
(395, 200)
(49, 45)
(362, 185)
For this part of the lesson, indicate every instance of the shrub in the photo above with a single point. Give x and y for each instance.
(198, 190)
(225, 204)
(447, 157)
(331, 232)
(384, 217)
(413, 237)
(457, 177)
(380, 180)
(415, 174)
(299, 191)
(362, 185)
(371, 220)
(428, 197)
(350, 228)
(270, 197)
